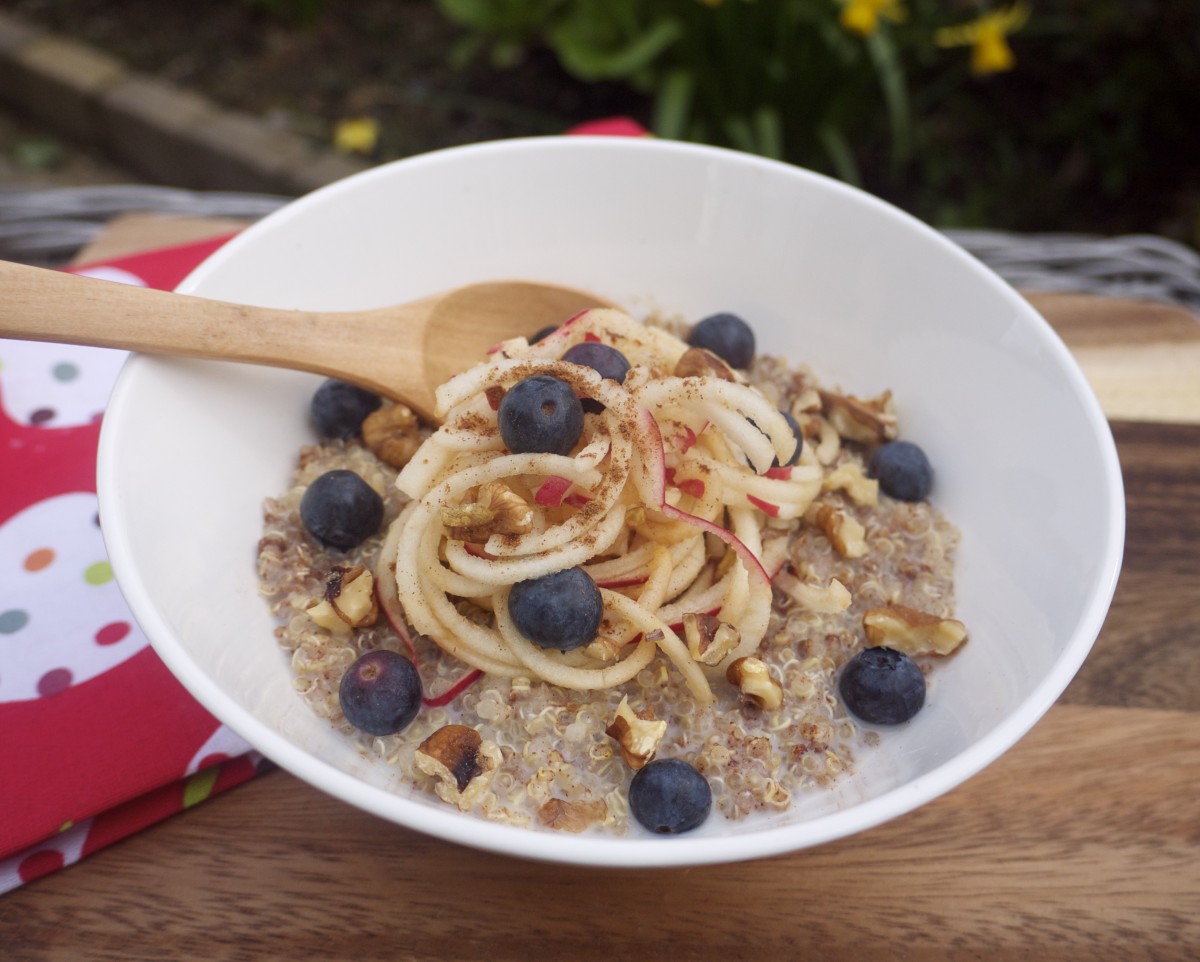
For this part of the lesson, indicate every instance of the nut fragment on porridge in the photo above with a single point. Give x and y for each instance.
(913, 632)
(613, 515)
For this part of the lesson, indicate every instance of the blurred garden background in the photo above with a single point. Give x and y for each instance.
(1071, 115)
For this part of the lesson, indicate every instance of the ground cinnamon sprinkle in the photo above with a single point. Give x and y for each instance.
(556, 765)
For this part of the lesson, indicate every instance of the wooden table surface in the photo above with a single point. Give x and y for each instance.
(1080, 843)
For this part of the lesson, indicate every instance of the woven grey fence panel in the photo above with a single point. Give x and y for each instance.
(50, 225)
(1130, 265)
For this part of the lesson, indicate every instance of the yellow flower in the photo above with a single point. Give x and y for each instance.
(862, 16)
(987, 36)
(356, 135)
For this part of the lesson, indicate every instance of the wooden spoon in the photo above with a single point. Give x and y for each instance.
(402, 352)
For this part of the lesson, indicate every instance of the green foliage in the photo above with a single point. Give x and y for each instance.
(776, 77)
(1095, 109)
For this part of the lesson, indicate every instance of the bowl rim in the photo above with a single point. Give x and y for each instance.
(633, 852)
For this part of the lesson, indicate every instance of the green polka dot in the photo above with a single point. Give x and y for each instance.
(98, 574)
(197, 788)
(12, 621)
(66, 371)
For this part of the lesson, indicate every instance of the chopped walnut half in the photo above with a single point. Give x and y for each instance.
(708, 638)
(913, 632)
(753, 679)
(807, 401)
(349, 601)
(638, 734)
(697, 362)
(461, 761)
(845, 533)
(557, 813)
(496, 509)
(392, 433)
(849, 477)
(868, 421)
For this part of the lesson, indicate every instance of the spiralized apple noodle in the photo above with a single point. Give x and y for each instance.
(671, 469)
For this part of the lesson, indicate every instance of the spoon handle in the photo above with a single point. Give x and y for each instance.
(39, 304)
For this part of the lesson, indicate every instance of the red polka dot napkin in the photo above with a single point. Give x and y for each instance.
(97, 739)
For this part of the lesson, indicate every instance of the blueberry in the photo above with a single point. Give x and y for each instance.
(903, 471)
(882, 686)
(341, 510)
(338, 409)
(799, 435)
(727, 336)
(544, 333)
(669, 796)
(540, 414)
(380, 693)
(607, 361)
(562, 610)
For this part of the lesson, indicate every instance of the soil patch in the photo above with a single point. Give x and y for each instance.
(391, 60)
(381, 58)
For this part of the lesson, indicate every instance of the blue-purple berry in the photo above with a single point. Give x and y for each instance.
(903, 471)
(882, 686)
(341, 510)
(540, 414)
(338, 409)
(607, 361)
(560, 611)
(380, 693)
(668, 797)
(727, 336)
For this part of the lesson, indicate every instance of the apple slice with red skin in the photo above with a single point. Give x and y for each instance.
(652, 483)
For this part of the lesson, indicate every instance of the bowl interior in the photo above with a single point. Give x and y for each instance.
(828, 276)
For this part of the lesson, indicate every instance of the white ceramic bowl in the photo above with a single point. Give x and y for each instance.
(868, 296)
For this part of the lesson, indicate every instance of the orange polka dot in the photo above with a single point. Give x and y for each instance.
(37, 560)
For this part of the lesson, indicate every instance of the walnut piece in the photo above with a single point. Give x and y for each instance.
(868, 421)
(913, 632)
(698, 362)
(349, 601)
(849, 477)
(459, 758)
(845, 533)
(392, 433)
(753, 679)
(807, 401)
(557, 813)
(708, 638)
(638, 734)
(496, 509)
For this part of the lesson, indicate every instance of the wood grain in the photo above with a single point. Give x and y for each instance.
(1072, 864)
(134, 233)
(1147, 655)
(1082, 842)
(1142, 359)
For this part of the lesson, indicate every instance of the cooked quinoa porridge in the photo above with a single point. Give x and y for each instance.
(724, 525)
